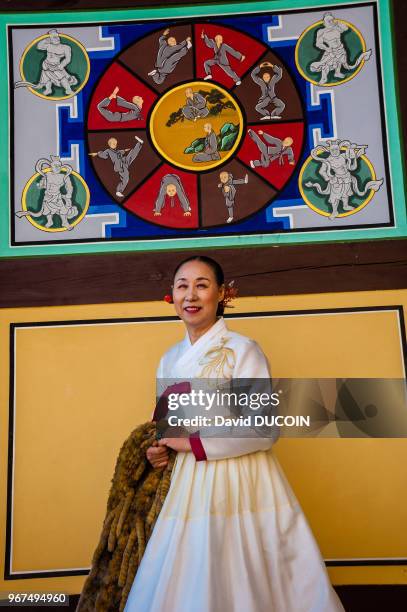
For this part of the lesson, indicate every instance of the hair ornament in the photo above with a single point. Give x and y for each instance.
(230, 294)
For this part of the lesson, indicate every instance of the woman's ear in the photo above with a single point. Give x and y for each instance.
(221, 292)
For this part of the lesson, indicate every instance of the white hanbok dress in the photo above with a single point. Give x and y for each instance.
(231, 535)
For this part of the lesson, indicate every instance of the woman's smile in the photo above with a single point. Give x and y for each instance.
(192, 308)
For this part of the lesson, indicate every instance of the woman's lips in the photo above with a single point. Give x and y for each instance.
(192, 309)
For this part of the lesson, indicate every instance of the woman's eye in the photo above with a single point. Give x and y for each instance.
(202, 286)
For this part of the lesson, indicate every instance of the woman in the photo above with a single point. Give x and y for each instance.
(231, 535)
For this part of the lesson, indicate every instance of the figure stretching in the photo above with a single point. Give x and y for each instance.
(133, 112)
(271, 148)
(171, 187)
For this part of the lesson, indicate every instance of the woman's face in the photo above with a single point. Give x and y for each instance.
(196, 294)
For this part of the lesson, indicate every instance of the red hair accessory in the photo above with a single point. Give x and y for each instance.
(168, 299)
(230, 294)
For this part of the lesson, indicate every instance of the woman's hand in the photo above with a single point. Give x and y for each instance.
(157, 455)
(180, 445)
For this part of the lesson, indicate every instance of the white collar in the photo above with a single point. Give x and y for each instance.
(220, 325)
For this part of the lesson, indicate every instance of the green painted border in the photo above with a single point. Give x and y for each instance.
(392, 121)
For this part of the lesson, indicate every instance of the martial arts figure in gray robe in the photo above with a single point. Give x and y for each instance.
(272, 149)
(168, 56)
(121, 160)
(171, 186)
(227, 184)
(134, 111)
(220, 58)
(195, 106)
(210, 152)
(268, 96)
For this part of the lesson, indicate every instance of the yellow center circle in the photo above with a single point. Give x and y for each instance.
(180, 131)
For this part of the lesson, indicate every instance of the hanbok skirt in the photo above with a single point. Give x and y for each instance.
(231, 537)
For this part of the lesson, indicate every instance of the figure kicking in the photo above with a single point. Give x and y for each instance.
(227, 185)
(121, 162)
(134, 108)
(271, 148)
(168, 56)
(267, 84)
(220, 58)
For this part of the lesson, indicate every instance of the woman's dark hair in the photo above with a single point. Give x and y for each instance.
(216, 269)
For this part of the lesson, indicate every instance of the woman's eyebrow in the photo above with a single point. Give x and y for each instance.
(199, 278)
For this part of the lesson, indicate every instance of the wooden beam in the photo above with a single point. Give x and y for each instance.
(127, 277)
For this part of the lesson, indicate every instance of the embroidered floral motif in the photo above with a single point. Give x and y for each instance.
(218, 362)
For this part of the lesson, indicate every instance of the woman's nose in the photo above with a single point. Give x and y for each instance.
(191, 293)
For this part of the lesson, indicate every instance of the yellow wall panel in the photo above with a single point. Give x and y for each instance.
(81, 388)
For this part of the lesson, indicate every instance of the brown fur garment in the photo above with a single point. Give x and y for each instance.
(136, 496)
